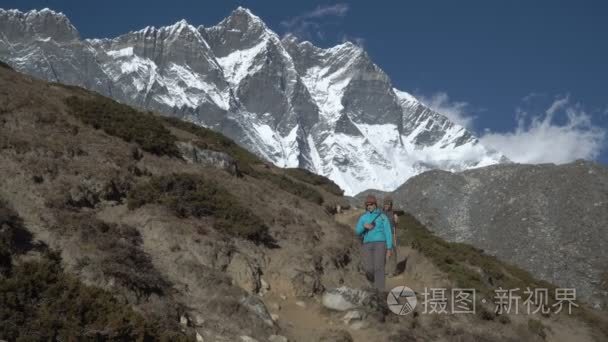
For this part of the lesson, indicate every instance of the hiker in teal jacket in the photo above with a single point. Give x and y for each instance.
(377, 234)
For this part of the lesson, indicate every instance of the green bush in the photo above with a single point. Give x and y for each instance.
(132, 268)
(193, 196)
(122, 259)
(14, 237)
(124, 122)
(39, 302)
(5, 65)
(314, 179)
(212, 140)
(296, 188)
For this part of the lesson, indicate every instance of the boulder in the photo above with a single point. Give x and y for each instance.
(345, 298)
(257, 307)
(264, 287)
(354, 315)
(306, 284)
(244, 274)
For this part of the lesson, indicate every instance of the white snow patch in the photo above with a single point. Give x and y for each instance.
(405, 98)
(326, 83)
(284, 150)
(317, 162)
(240, 63)
(125, 52)
(193, 82)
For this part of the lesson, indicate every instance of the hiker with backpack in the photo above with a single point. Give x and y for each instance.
(387, 209)
(375, 229)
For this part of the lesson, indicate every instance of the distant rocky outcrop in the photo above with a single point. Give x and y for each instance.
(549, 219)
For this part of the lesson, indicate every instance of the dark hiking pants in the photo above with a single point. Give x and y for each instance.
(374, 256)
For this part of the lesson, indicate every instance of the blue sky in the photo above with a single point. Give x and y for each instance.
(530, 78)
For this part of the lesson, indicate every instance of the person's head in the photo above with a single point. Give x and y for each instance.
(388, 203)
(370, 203)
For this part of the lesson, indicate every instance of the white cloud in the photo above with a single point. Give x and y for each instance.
(532, 96)
(561, 133)
(540, 139)
(456, 111)
(308, 24)
(321, 11)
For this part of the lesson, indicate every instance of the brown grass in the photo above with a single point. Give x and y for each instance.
(124, 122)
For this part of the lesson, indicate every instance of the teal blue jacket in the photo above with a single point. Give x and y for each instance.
(380, 233)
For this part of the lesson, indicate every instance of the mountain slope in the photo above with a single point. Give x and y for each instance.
(117, 224)
(154, 212)
(331, 111)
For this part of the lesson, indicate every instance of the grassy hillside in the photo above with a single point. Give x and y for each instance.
(469, 267)
(39, 301)
(148, 245)
(124, 122)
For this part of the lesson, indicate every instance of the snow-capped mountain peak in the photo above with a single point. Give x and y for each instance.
(183, 27)
(330, 110)
(405, 98)
(252, 20)
(36, 24)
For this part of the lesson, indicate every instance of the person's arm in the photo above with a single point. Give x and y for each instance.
(359, 229)
(396, 217)
(388, 233)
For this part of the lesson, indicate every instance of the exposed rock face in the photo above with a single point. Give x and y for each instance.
(331, 111)
(255, 305)
(244, 274)
(218, 160)
(548, 219)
